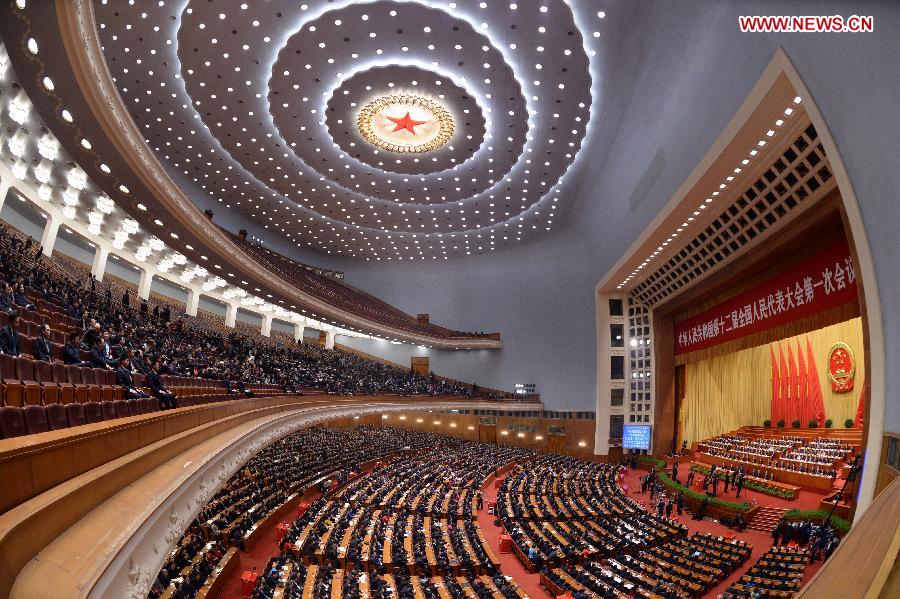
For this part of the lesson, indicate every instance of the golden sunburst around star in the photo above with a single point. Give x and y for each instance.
(405, 124)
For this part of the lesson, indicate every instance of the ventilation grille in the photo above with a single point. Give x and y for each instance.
(800, 175)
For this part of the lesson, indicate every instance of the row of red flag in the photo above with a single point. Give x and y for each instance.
(797, 390)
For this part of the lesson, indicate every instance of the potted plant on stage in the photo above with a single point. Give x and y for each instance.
(813, 423)
(795, 424)
(828, 423)
(767, 423)
(848, 423)
(780, 423)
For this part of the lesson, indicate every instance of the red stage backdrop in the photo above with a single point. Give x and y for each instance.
(823, 281)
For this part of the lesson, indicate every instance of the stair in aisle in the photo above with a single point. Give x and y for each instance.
(766, 518)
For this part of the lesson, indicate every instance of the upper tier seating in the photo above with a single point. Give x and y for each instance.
(343, 296)
(198, 359)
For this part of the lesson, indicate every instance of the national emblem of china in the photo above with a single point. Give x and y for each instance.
(406, 124)
(841, 368)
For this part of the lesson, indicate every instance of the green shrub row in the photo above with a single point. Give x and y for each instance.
(741, 507)
(839, 524)
(759, 487)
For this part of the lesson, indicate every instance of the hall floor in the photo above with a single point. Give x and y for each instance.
(530, 583)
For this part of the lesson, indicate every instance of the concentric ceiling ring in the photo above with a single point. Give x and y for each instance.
(360, 91)
(188, 63)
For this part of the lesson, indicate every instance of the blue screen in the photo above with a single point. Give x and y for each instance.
(636, 436)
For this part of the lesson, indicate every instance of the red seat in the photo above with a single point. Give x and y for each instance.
(93, 412)
(25, 373)
(134, 407)
(12, 422)
(121, 407)
(146, 405)
(101, 379)
(43, 374)
(74, 376)
(154, 404)
(109, 410)
(13, 391)
(56, 417)
(91, 379)
(75, 414)
(61, 378)
(36, 419)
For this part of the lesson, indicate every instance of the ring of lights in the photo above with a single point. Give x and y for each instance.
(306, 121)
(282, 159)
(371, 113)
(362, 88)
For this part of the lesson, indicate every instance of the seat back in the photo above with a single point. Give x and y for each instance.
(24, 369)
(56, 417)
(73, 375)
(93, 412)
(154, 404)
(109, 410)
(7, 367)
(145, 404)
(36, 419)
(12, 422)
(75, 414)
(134, 407)
(43, 371)
(121, 407)
(88, 376)
(60, 375)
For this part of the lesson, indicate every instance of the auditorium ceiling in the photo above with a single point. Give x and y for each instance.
(377, 130)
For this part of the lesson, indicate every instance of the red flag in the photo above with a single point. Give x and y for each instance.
(793, 405)
(816, 400)
(861, 407)
(802, 395)
(785, 386)
(776, 389)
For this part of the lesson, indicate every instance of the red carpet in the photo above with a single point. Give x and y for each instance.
(258, 557)
(509, 563)
(530, 583)
(760, 541)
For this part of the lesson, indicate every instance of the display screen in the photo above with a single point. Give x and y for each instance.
(636, 436)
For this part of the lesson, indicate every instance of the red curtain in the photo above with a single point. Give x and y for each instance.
(776, 389)
(792, 403)
(802, 395)
(861, 408)
(816, 399)
(785, 387)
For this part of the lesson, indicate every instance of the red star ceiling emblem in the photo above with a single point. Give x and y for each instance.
(405, 122)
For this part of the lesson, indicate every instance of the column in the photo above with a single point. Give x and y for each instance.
(299, 327)
(144, 284)
(193, 302)
(48, 239)
(266, 329)
(99, 266)
(231, 315)
(329, 339)
(4, 189)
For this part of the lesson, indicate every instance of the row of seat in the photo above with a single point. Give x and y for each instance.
(15, 422)
(24, 381)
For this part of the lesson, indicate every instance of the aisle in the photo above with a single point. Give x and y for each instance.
(265, 549)
(761, 542)
(509, 563)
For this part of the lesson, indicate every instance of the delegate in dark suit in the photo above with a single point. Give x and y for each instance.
(40, 349)
(9, 338)
(124, 378)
